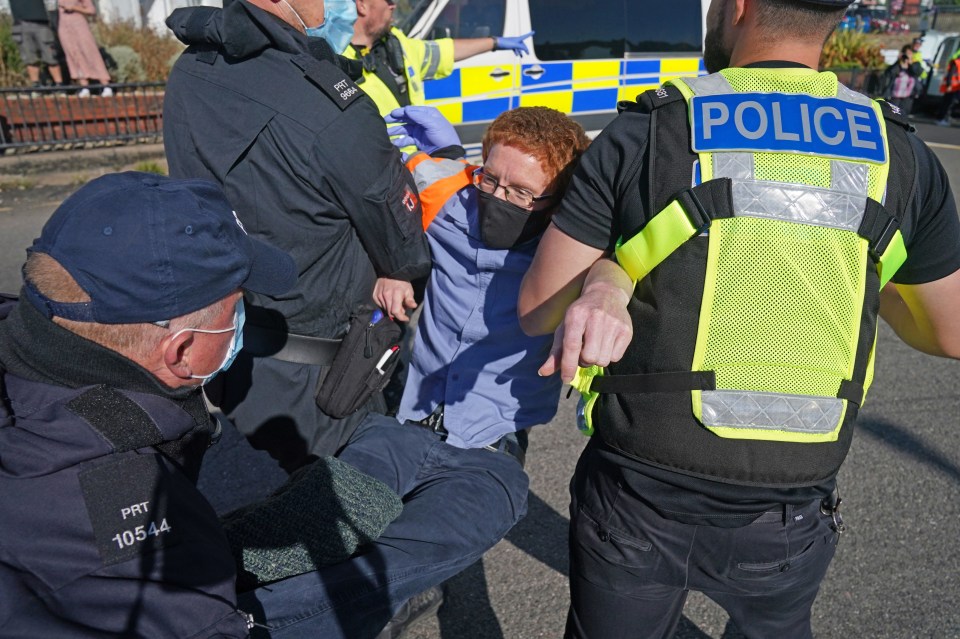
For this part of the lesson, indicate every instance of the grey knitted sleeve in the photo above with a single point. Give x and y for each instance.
(318, 517)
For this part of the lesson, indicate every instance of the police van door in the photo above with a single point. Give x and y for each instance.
(589, 54)
(483, 86)
(941, 64)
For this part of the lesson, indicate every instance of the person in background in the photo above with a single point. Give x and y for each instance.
(950, 88)
(901, 79)
(726, 353)
(395, 66)
(35, 39)
(80, 47)
(260, 104)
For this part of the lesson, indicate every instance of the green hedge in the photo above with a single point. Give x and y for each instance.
(12, 72)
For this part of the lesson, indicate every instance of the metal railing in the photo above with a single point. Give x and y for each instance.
(58, 118)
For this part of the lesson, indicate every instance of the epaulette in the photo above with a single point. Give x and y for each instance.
(892, 113)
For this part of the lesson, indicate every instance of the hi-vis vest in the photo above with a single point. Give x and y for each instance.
(757, 283)
(951, 81)
(437, 180)
(422, 60)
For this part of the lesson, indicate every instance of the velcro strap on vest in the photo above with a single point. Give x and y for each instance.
(851, 391)
(655, 382)
(117, 418)
(882, 232)
(683, 218)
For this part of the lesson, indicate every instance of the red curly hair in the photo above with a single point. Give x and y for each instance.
(554, 139)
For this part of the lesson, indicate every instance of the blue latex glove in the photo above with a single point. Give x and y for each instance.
(420, 126)
(514, 43)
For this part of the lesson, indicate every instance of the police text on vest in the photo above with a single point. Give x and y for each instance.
(785, 122)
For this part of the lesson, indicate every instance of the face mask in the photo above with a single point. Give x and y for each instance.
(236, 343)
(337, 27)
(504, 225)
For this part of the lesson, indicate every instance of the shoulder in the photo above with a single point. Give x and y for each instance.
(330, 79)
(617, 152)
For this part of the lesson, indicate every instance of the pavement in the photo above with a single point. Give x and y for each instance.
(75, 167)
(895, 574)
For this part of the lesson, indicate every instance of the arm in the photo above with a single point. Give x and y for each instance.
(603, 189)
(596, 328)
(554, 280)
(925, 316)
(79, 6)
(464, 48)
(375, 190)
(922, 302)
(164, 570)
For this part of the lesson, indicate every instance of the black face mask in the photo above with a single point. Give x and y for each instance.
(504, 225)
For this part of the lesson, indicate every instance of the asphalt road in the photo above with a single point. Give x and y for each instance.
(896, 571)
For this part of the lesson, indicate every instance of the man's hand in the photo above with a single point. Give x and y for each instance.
(513, 43)
(597, 328)
(421, 126)
(395, 297)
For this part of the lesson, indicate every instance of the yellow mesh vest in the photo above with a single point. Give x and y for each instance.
(780, 317)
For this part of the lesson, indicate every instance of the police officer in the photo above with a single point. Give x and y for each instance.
(259, 104)
(395, 66)
(131, 300)
(736, 328)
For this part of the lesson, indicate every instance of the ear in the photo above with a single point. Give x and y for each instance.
(362, 8)
(740, 10)
(176, 354)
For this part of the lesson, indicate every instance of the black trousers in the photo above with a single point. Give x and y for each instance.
(631, 569)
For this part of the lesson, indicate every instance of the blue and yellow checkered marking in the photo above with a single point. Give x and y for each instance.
(471, 94)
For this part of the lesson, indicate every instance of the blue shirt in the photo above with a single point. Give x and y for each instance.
(469, 352)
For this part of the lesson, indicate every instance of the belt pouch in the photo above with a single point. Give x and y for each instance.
(366, 359)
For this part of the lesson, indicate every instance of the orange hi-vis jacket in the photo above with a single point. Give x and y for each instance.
(437, 180)
(951, 81)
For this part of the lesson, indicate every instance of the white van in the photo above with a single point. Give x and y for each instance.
(586, 55)
(937, 49)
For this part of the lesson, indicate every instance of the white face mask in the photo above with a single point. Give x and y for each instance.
(239, 316)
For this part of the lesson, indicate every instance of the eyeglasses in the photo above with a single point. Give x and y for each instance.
(513, 194)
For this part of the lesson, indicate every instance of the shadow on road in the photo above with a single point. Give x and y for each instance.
(909, 444)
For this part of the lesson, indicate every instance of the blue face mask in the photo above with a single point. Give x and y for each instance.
(236, 343)
(337, 27)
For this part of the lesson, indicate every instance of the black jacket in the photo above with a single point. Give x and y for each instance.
(101, 535)
(302, 154)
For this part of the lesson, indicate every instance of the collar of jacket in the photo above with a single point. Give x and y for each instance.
(242, 30)
(37, 349)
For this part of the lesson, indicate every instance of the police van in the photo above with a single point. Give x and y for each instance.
(938, 48)
(585, 55)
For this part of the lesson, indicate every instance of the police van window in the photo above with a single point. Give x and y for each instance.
(470, 19)
(663, 27)
(407, 13)
(585, 29)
